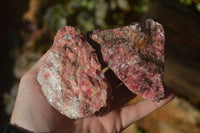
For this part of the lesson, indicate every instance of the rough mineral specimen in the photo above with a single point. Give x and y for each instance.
(71, 77)
(135, 53)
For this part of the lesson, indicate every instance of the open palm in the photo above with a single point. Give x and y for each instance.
(32, 112)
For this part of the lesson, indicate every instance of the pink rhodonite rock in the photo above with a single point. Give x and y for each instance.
(71, 77)
(135, 53)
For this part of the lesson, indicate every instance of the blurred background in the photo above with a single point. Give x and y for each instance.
(29, 26)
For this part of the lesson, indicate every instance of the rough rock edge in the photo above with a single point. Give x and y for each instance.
(144, 28)
(52, 87)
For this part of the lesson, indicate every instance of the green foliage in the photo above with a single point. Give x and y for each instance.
(89, 4)
(55, 18)
(142, 6)
(87, 15)
(194, 3)
(186, 2)
(6, 100)
(139, 131)
(198, 7)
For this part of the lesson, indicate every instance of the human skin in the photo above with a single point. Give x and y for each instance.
(33, 113)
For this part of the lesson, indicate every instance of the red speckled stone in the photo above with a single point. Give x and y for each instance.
(135, 53)
(71, 77)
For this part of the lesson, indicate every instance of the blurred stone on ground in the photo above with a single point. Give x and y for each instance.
(179, 116)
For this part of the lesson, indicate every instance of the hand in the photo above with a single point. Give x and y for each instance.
(32, 112)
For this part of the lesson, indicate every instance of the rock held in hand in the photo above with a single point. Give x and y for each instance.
(135, 53)
(71, 77)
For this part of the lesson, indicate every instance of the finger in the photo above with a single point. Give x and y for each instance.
(132, 113)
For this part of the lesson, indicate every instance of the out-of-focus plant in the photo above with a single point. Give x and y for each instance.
(195, 3)
(142, 6)
(90, 14)
(198, 6)
(54, 19)
(186, 2)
